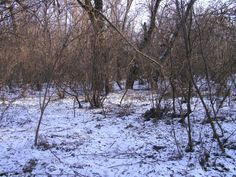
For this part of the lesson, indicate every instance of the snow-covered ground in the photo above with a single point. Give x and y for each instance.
(113, 141)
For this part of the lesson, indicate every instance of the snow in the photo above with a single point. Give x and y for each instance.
(111, 141)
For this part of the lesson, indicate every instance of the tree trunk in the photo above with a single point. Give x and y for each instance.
(132, 76)
(97, 40)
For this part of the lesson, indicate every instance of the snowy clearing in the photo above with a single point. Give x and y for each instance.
(113, 141)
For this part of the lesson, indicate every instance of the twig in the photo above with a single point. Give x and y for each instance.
(55, 156)
(130, 164)
(76, 173)
(123, 96)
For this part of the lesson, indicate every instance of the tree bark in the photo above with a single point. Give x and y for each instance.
(97, 78)
(133, 71)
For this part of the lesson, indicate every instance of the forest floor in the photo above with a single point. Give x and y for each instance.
(113, 141)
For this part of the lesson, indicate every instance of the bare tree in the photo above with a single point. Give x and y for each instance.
(98, 56)
(147, 34)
